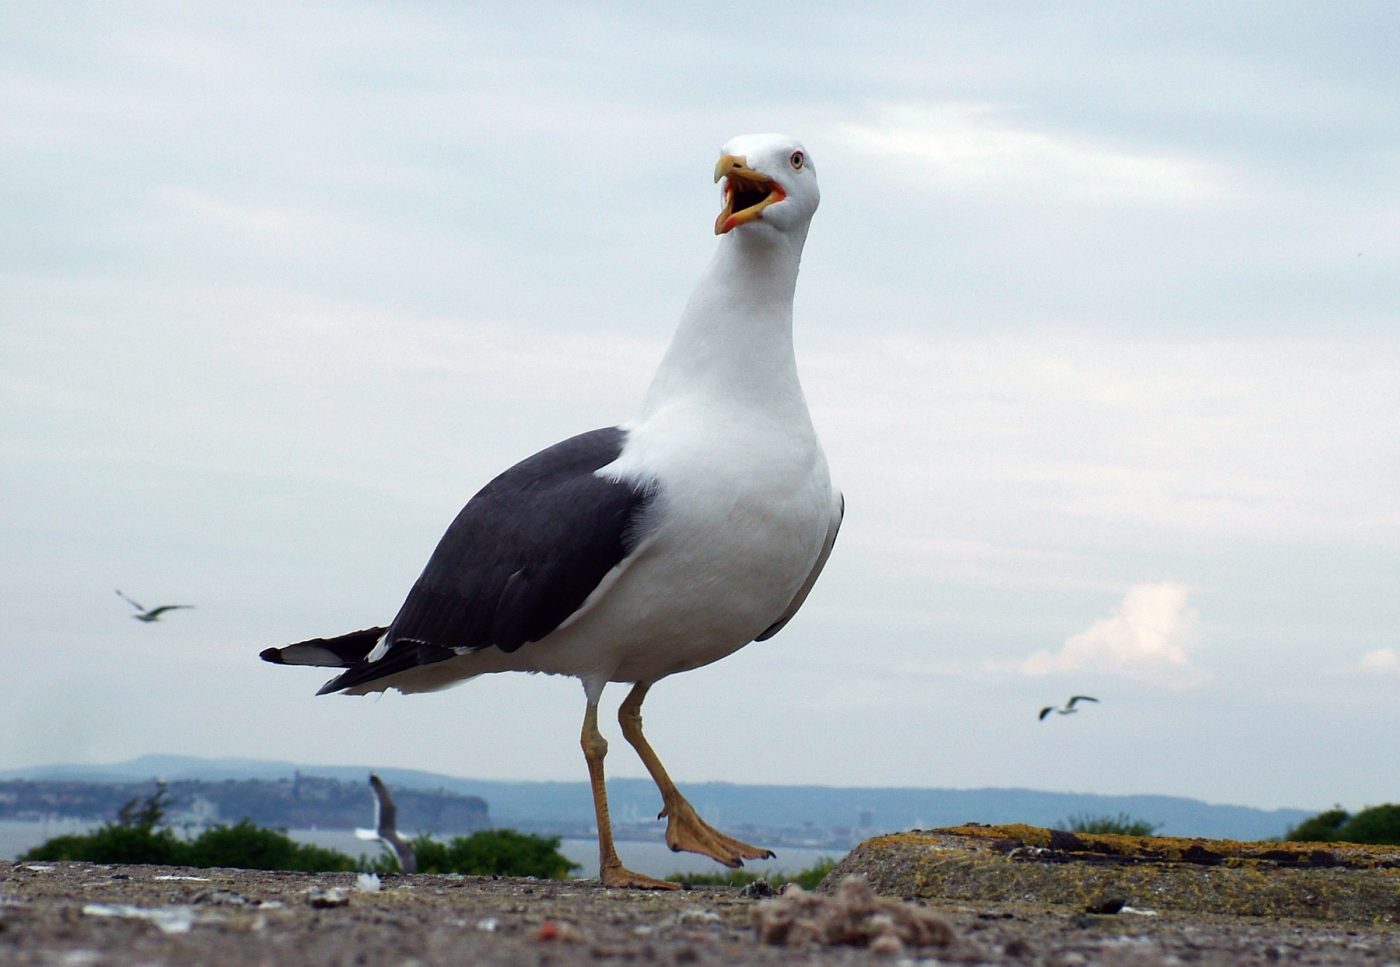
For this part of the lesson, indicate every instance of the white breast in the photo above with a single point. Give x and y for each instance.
(741, 513)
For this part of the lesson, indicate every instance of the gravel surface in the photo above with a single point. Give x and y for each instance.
(78, 914)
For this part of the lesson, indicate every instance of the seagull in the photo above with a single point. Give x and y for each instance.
(386, 820)
(633, 552)
(1069, 708)
(154, 613)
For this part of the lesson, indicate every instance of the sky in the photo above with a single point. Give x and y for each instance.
(1097, 321)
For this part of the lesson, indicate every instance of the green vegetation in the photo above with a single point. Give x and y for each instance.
(1376, 825)
(807, 879)
(1319, 828)
(1120, 825)
(244, 846)
(134, 838)
(114, 843)
(494, 852)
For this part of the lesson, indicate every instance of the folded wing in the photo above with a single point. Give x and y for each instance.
(518, 561)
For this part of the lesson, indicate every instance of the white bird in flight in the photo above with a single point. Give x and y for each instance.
(1068, 708)
(386, 827)
(154, 613)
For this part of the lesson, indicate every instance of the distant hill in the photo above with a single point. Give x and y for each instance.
(800, 812)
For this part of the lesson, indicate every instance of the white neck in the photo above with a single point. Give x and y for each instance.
(734, 341)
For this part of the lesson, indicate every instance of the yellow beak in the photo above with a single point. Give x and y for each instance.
(746, 193)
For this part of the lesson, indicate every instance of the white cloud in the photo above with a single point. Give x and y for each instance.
(1381, 661)
(1151, 634)
(970, 146)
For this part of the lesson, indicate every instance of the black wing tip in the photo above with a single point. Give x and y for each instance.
(398, 659)
(333, 685)
(273, 655)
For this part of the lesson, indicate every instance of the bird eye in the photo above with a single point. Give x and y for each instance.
(797, 159)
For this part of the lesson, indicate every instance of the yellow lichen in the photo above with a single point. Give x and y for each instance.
(1019, 863)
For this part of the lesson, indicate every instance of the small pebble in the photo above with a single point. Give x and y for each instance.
(334, 897)
(558, 931)
(225, 897)
(758, 889)
(1111, 904)
(1019, 949)
(887, 945)
(697, 915)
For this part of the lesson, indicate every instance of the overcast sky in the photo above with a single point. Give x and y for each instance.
(1098, 322)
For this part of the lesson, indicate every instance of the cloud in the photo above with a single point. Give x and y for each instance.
(1381, 661)
(971, 146)
(1151, 635)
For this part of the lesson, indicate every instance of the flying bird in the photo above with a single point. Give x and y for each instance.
(386, 827)
(633, 552)
(1068, 708)
(154, 613)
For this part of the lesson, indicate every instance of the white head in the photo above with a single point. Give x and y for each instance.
(770, 186)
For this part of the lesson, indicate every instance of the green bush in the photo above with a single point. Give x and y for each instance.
(1319, 828)
(1373, 825)
(133, 838)
(807, 879)
(114, 843)
(242, 846)
(1120, 825)
(1376, 824)
(494, 852)
(245, 846)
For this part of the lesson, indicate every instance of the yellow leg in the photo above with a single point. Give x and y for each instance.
(685, 830)
(610, 868)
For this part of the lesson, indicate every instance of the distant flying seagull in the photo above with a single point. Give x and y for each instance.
(153, 614)
(1069, 708)
(386, 822)
(633, 552)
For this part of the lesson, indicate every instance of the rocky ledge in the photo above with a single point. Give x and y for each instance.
(1331, 882)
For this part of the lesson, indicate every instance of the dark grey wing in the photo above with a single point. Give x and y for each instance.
(520, 558)
(138, 607)
(155, 613)
(806, 589)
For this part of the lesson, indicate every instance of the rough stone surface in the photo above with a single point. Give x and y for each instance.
(77, 914)
(1330, 882)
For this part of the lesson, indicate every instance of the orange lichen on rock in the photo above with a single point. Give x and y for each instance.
(1028, 864)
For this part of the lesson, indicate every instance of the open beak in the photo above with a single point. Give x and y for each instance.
(746, 193)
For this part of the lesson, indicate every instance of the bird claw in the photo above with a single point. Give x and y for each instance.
(687, 832)
(620, 877)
